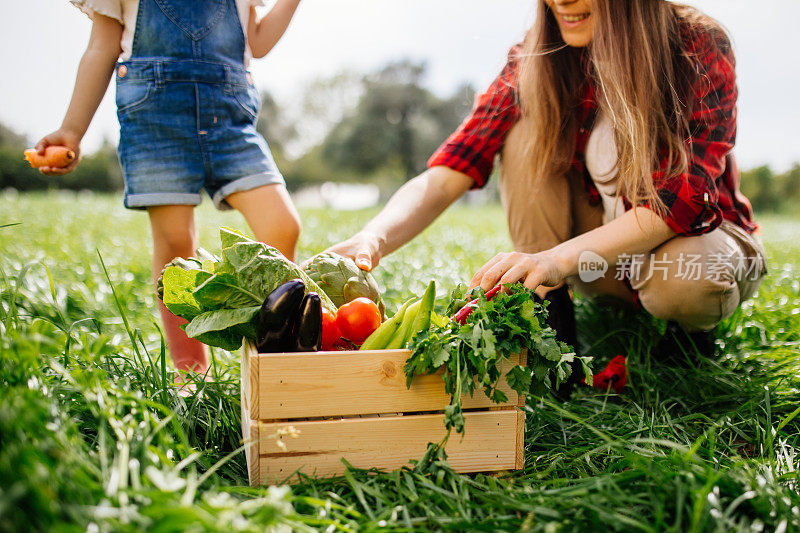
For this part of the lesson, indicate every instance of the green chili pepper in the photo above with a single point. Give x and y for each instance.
(380, 337)
(423, 319)
(399, 339)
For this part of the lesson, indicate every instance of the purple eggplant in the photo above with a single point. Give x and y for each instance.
(307, 335)
(276, 319)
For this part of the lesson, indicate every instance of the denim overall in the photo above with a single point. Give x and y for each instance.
(187, 107)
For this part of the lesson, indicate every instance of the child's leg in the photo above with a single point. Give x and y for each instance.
(271, 215)
(174, 235)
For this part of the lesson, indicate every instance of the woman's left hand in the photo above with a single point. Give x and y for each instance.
(532, 269)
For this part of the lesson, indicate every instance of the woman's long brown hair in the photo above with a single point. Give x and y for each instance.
(642, 74)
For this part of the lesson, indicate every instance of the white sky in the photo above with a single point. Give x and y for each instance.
(41, 42)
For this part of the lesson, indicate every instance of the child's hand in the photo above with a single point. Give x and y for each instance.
(60, 137)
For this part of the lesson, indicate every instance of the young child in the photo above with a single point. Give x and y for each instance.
(187, 109)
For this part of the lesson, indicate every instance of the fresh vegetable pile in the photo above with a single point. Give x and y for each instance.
(221, 298)
(254, 292)
(483, 333)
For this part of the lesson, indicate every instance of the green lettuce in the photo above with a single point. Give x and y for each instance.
(220, 297)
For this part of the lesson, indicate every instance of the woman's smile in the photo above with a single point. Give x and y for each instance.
(574, 18)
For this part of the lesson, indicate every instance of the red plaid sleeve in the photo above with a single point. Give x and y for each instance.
(692, 198)
(472, 148)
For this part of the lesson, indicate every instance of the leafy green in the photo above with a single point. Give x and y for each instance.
(221, 297)
(220, 320)
(223, 290)
(473, 354)
(179, 291)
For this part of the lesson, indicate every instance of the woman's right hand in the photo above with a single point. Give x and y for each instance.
(364, 248)
(60, 137)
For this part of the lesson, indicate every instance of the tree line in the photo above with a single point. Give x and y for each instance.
(376, 128)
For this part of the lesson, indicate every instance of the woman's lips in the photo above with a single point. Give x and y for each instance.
(573, 21)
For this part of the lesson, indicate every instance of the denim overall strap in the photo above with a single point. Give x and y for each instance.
(199, 30)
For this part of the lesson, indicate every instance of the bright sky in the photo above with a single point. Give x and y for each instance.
(41, 42)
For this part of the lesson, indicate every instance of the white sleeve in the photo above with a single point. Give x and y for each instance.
(109, 8)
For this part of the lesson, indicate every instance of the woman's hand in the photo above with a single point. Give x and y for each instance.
(364, 248)
(60, 137)
(532, 269)
(638, 231)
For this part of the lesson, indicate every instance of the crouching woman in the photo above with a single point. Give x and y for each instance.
(615, 122)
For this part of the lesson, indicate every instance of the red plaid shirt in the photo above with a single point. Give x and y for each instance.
(697, 200)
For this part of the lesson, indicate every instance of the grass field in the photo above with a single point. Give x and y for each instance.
(93, 436)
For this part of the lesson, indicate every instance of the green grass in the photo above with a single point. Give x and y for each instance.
(93, 434)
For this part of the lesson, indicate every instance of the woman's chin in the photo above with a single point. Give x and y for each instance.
(577, 39)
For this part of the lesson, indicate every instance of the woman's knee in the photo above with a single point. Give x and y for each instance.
(693, 280)
(694, 303)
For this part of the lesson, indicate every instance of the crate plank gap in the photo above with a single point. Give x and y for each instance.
(355, 405)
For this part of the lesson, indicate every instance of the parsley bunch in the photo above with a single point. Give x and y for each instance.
(473, 354)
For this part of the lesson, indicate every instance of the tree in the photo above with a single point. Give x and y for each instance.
(325, 103)
(760, 186)
(790, 185)
(395, 126)
(10, 138)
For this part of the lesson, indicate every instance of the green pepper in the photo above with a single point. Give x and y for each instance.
(380, 337)
(399, 339)
(423, 319)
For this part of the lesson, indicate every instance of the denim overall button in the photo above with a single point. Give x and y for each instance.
(122, 70)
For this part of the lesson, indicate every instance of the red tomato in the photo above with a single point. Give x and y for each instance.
(330, 332)
(358, 319)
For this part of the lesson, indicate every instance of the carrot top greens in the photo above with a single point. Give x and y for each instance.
(472, 354)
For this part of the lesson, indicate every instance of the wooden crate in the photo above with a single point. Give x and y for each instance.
(355, 405)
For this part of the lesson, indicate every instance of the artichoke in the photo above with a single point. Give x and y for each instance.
(342, 280)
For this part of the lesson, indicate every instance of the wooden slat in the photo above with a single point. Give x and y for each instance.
(520, 456)
(490, 443)
(520, 459)
(249, 429)
(250, 372)
(302, 385)
(252, 432)
(523, 360)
